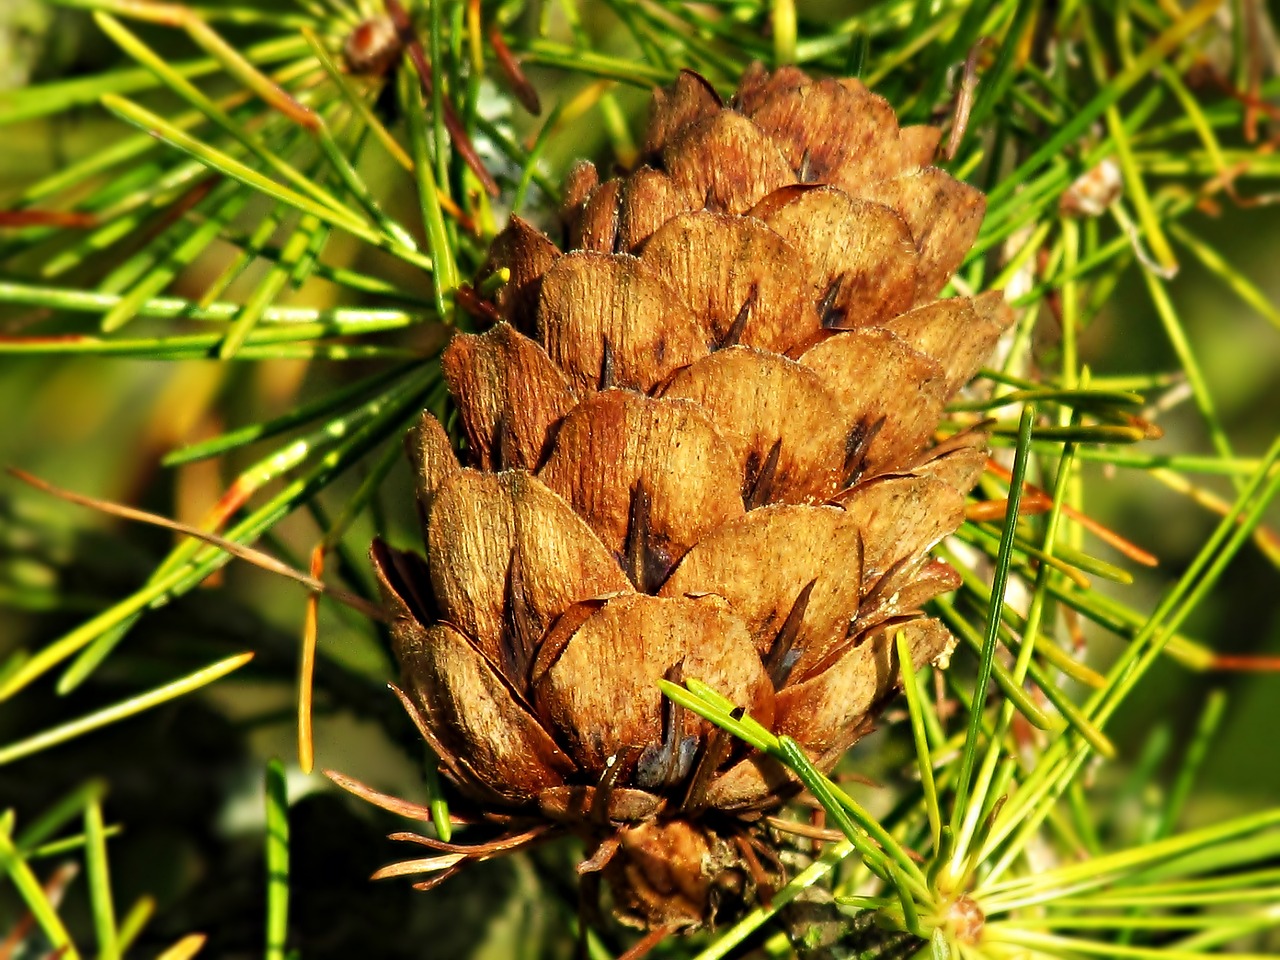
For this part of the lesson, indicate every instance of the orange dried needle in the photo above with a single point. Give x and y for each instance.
(235, 497)
(1041, 500)
(648, 942)
(54, 890)
(307, 667)
(1245, 663)
(402, 808)
(272, 93)
(71, 219)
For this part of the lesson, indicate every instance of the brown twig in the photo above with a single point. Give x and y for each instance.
(258, 558)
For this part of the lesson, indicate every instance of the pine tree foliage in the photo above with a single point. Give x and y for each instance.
(373, 193)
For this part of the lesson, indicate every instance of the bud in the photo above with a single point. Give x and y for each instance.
(372, 47)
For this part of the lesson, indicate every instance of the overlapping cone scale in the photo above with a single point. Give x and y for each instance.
(699, 445)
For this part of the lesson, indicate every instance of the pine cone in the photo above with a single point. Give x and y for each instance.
(699, 446)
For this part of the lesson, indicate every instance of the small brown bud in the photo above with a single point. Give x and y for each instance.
(372, 47)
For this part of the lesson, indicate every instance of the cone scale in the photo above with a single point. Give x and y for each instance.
(700, 444)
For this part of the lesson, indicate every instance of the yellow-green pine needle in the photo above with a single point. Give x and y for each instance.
(125, 708)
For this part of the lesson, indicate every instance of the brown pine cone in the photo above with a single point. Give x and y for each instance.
(699, 446)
